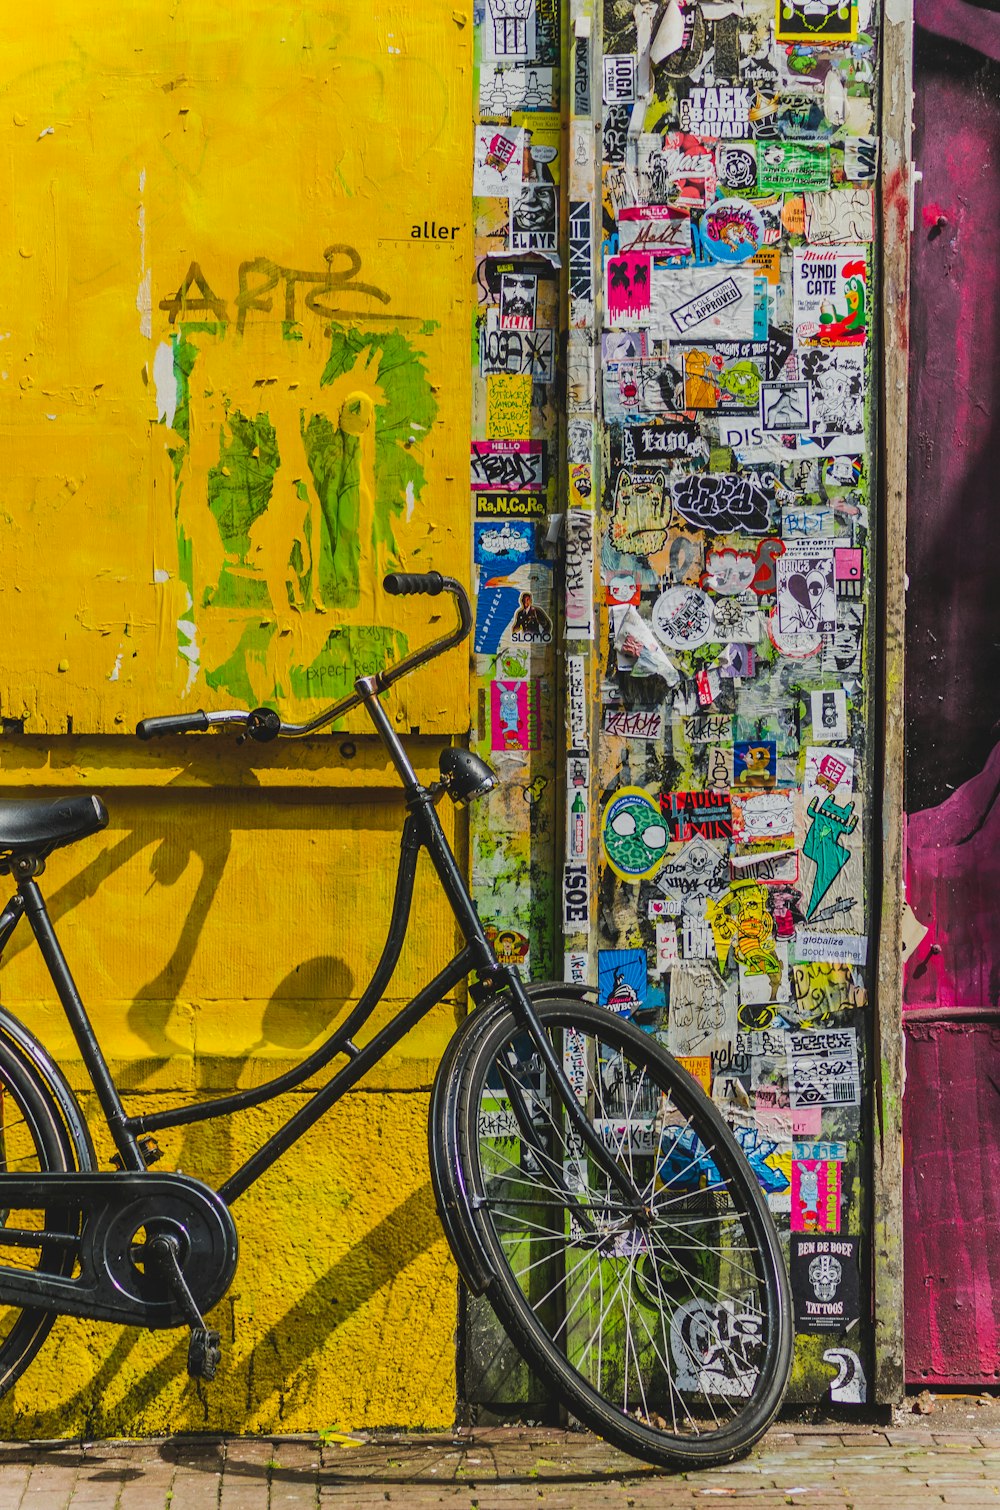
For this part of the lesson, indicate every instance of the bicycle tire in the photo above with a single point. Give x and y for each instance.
(33, 1137)
(722, 1314)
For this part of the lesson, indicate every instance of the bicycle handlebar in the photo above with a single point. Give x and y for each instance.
(264, 724)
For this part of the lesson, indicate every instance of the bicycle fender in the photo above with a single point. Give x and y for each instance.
(40, 1060)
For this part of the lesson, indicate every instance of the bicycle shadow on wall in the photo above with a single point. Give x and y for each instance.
(285, 1350)
(318, 986)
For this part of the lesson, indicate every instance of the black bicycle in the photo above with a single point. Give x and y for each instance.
(588, 1186)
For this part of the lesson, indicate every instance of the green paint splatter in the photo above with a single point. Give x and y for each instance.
(233, 676)
(240, 487)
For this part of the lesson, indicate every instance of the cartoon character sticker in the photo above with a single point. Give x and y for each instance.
(732, 230)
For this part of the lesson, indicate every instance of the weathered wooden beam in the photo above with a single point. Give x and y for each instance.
(887, 1142)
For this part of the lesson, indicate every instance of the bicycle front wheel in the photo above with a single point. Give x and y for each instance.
(665, 1327)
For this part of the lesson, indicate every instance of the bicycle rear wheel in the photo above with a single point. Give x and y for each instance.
(667, 1331)
(33, 1138)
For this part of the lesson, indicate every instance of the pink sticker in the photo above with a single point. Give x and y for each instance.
(807, 1122)
(514, 721)
(815, 1195)
(627, 293)
(847, 564)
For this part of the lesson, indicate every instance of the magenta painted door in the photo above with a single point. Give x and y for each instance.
(952, 993)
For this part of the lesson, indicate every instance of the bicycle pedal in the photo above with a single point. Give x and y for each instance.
(148, 1147)
(204, 1353)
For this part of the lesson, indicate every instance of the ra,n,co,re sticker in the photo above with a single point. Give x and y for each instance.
(633, 834)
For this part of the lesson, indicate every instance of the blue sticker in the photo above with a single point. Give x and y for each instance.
(506, 543)
(755, 764)
(495, 607)
(621, 980)
(760, 309)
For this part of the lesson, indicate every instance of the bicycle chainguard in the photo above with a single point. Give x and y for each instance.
(204, 1353)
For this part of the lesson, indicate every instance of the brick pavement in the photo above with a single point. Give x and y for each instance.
(834, 1467)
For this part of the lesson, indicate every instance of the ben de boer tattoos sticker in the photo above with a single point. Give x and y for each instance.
(825, 1288)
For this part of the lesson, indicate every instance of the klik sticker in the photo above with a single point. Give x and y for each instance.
(633, 834)
(518, 300)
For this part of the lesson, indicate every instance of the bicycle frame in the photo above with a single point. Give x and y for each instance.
(422, 829)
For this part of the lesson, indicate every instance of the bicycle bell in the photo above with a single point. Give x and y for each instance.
(464, 776)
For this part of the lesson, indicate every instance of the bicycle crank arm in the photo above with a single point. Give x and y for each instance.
(109, 1219)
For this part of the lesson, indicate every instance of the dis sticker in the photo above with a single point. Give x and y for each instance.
(633, 834)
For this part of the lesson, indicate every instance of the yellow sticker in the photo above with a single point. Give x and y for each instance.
(508, 406)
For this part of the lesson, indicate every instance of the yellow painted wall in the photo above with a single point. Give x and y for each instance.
(205, 471)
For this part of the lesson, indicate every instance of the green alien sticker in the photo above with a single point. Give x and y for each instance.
(633, 834)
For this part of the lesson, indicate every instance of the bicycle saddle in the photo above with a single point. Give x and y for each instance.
(37, 826)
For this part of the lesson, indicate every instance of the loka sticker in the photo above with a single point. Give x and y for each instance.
(633, 834)
(732, 230)
(683, 618)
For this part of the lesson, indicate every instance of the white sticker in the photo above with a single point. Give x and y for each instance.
(667, 955)
(824, 1069)
(831, 948)
(579, 574)
(576, 701)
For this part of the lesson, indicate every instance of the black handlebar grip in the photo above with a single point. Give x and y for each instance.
(172, 723)
(400, 582)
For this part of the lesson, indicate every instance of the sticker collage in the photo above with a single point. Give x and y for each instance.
(703, 467)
